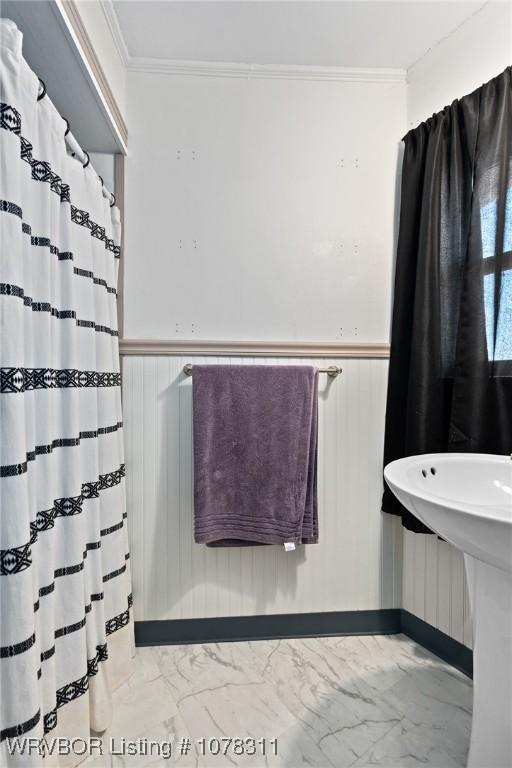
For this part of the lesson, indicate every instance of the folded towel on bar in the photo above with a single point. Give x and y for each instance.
(255, 454)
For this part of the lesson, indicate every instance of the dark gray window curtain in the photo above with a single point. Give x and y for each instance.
(450, 374)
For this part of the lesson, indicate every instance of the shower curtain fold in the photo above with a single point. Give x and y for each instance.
(66, 636)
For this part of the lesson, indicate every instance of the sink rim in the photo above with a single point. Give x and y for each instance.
(394, 473)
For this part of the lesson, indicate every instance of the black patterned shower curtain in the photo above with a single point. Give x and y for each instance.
(66, 633)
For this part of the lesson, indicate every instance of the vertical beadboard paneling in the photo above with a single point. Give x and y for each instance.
(398, 546)
(409, 573)
(133, 407)
(358, 563)
(430, 579)
(444, 593)
(457, 595)
(434, 585)
(420, 552)
(467, 629)
(151, 547)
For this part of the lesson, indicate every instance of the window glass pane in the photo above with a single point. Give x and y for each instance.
(488, 216)
(502, 350)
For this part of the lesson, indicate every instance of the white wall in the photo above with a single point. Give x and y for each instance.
(479, 50)
(104, 164)
(355, 566)
(434, 585)
(260, 208)
(287, 188)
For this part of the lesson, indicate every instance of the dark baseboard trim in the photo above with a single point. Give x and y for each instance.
(267, 627)
(288, 625)
(444, 646)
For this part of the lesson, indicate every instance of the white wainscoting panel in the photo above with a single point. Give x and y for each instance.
(434, 585)
(358, 563)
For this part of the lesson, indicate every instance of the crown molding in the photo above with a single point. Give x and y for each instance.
(264, 71)
(110, 14)
(311, 349)
(151, 65)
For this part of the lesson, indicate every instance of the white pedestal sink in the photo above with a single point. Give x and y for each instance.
(467, 500)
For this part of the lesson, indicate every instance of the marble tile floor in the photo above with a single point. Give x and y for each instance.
(329, 702)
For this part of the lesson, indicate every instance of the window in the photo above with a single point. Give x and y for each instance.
(499, 348)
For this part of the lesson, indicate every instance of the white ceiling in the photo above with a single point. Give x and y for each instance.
(353, 34)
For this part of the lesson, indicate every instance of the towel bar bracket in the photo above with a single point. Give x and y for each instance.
(332, 370)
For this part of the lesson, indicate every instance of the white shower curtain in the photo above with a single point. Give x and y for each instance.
(66, 633)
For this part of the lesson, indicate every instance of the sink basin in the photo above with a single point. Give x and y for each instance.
(467, 499)
(464, 497)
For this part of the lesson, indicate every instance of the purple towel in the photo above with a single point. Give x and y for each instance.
(255, 450)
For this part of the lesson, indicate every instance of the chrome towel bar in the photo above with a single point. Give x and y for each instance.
(332, 370)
